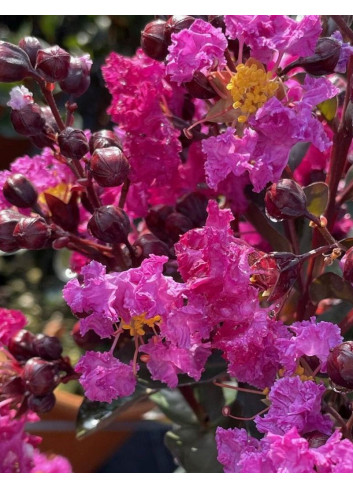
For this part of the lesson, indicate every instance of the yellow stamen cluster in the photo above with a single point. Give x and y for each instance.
(250, 88)
(137, 324)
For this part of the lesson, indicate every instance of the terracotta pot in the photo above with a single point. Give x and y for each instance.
(57, 429)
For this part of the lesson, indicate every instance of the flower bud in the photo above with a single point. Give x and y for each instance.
(177, 23)
(8, 221)
(340, 365)
(32, 233)
(60, 243)
(156, 219)
(41, 404)
(193, 206)
(110, 224)
(153, 40)
(199, 87)
(48, 347)
(109, 167)
(15, 65)
(148, 244)
(285, 200)
(31, 46)
(19, 191)
(53, 63)
(322, 62)
(28, 120)
(73, 143)
(41, 377)
(21, 345)
(67, 216)
(104, 139)
(348, 265)
(176, 225)
(78, 78)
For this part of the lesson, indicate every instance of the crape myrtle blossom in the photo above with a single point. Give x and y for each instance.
(285, 453)
(346, 52)
(20, 97)
(11, 322)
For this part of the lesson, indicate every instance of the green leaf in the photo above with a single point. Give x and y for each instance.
(317, 196)
(296, 155)
(211, 398)
(93, 415)
(328, 108)
(173, 404)
(330, 285)
(194, 448)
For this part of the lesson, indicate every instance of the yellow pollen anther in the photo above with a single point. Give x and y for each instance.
(251, 87)
(137, 324)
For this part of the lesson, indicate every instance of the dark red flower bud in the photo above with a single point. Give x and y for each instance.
(176, 225)
(217, 21)
(148, 244)
(41, 404)
(109, 167)
(53, 63)
(32, 233)
(50, 121)
(199, 87)
(8, 221)
(88, 341)
(44, 139)
(109, 223)
(193, 206)
(78, 78)
(104, 139)
(28, 120)
(14, 387)
(73, 143)
(348, 265)
(48, 347)
(19, 191)
(67, 216)
(340, 365)
(41, 377)
(153, 40)
(15, 65)
(177, 23)
(322, 62)
(285, 200)
(21, 345)
(60, 243)
(156, 219)
(31, 45)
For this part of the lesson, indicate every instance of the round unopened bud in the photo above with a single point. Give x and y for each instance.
(156, 219)
(73, 143)
(104, 139)
(53, 63)
(109, 223)
(41, 404)
(153, 40)
(8, 222)
(32, 233)
(15, 65)
(148, 244)
(340, 365)
(109, 167)
(177, 23)
(78, 78)
(285, 200)
(48, 347)
(193, 206)
(176, 225)
(31, 46)
(19, 191)
(199, 87)
(348, 265)
(21, 345)
(28, 120)
(41, 377)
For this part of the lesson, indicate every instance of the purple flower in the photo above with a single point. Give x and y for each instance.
(11, 321)
(295, 404)
(104, 377)
(317, 90)
(345, 53)
(335, 455)
(20, 97)
(199, 48)
(233, 446)
(311, 339)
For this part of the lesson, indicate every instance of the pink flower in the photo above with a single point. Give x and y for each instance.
(104, 377)
(50, 465)
(199, 48)
(295, 404)
(11, 321)
(233, 445)
(20, 97)
(335, 456)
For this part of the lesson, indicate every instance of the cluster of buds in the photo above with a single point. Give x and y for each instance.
(35, 369)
